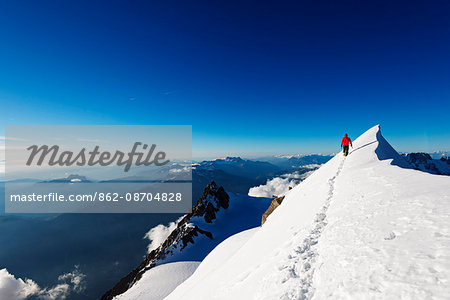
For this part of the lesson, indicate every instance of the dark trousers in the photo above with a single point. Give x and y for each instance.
(346, 150)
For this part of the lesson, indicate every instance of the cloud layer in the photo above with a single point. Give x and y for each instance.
(158, 234)
(13, 288)
(279, 186)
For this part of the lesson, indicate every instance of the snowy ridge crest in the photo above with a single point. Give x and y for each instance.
(349, 230)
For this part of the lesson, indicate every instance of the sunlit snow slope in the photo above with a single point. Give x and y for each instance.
(360, 227)
(158, 282)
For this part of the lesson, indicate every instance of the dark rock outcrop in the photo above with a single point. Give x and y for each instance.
(445, 159)
(424, 162)
(213, 199)
(418, 158)
(273, 205)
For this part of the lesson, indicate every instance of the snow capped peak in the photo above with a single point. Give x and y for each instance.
(229, 159)
(233, 158)
(383, 150)
(290, 156)
(370, 136)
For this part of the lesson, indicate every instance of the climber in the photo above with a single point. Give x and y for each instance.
(345, 141)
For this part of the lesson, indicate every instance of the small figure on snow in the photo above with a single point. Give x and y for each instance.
(345, 141)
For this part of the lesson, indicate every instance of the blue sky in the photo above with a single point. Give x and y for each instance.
(251, 77)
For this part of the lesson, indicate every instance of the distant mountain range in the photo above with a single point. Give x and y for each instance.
(439, 154)
(291, 162)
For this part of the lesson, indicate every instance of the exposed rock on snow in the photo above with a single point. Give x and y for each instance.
(273, 205)
(214, 198)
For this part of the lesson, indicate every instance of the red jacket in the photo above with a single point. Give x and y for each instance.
(346, 140)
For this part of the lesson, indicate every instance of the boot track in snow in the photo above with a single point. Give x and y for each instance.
(298, 269)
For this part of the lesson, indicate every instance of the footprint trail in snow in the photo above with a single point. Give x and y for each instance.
(298, 269)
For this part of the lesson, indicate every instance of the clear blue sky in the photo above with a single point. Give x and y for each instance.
(251, 77)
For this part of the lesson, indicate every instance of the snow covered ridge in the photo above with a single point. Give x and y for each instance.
(367, 226)
(216, 216)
